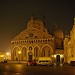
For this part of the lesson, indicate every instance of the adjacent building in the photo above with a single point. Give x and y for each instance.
(4, 56)
(69, 45)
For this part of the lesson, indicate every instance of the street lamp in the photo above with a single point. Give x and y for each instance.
(19, 54)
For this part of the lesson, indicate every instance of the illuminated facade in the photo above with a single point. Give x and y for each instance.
(58, 44)
(4, 56)
(69, 45)
(35, 42)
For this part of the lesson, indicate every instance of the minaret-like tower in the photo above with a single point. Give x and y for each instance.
(74, 21)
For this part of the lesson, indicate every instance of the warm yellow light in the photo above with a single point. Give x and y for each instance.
(61, 56)
(1, 55)
(52, 55)
(19, 52)
(55, 56)
(7, 53)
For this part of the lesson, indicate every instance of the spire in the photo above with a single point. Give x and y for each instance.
(55, 26)
(32, 17)
(44, 18)
(44, 21)
(74, 21)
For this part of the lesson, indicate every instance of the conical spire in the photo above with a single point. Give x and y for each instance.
(55, 26)
(74, 21)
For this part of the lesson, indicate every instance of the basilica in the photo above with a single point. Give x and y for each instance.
(35, 41)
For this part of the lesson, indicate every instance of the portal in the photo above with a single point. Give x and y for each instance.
(58, 58)
(30, 56)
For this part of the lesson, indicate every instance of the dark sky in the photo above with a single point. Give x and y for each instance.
(14, 15)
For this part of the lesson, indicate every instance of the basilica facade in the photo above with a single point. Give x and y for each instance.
(35, 41)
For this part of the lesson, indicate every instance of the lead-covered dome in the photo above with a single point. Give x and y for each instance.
(36, 23)
(58, 33)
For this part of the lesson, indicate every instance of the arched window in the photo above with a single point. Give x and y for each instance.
(24, 52)
(15, 53)
(46, 51)
(43, 53)
(30, 48)
(36, 51)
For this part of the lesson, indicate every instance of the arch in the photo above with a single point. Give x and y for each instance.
(15, 53)
(36, 51)
(47, 51)
(15, 48)
(24, 53)
(30, 54)
(58, 58)
(30, 48)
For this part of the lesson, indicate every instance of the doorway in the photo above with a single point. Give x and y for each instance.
(30, 56)
(58, 58)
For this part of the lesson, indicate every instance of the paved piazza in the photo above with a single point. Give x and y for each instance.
(22, 69)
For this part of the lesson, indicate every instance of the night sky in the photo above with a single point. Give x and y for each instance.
(14, 15)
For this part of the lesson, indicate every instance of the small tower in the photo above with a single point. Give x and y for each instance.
(74, 21)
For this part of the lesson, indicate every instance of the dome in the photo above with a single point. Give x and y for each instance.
(36, 23)
(58, 33)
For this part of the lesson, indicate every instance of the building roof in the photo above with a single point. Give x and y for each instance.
(35, 30)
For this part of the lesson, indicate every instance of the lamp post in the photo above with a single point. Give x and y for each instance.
(19, 54)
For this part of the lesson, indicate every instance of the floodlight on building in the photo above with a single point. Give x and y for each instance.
(19, 52)
(7, 53)
(62, 56)
(7, 56)
(55, 56)
(52, 55)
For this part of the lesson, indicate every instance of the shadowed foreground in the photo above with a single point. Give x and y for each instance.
(22, 69)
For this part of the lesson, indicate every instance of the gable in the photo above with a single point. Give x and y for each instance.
(32, 33)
